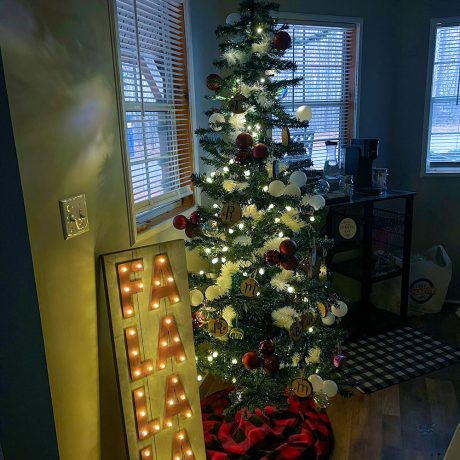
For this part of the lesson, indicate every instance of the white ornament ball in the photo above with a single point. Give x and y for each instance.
(276, 188)
(316, 382)
(329, 319)
(303, 113)
(292, 190)
(196, 297)
(330, 388)
(233, 18)
(317, 202)
(340, 309)
(213, 293)
(298, 178)
(216, 118)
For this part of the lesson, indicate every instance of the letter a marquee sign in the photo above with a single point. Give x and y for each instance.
(147, 290)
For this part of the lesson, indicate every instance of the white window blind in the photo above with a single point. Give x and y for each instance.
(155, 100)
(443, 152)
(325, 58)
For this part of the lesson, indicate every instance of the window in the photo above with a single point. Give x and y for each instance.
(326, 60)
(443, 133)
(154, 87)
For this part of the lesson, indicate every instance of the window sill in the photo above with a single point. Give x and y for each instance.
(448, 172)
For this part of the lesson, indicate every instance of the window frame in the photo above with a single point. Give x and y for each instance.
(143, 224)
(336, 21)
(425, 170)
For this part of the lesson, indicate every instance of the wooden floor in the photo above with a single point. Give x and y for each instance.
(412, 421)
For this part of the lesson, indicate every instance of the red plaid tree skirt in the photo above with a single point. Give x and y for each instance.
(298, 433)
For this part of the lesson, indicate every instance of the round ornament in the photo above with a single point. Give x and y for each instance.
(330, 388)
(242, 157)
(218, 327)
(298, 178)
(210, 228)
(321, 400)
(260, 152)
(282, 92)
(238, 104)
(303, 113)
(236, 333)
(307, 319)
(285, 136)
(296, 331)
(301, 387)
(316, 381)
(317, 202)
(276, 188)
(272, 257)
(244, 141)
(180, 222)
(271, 364)
(282, 40)
(339, 309)
(196, 297)
(192, 230)
(233, 18)
(290, 264)
(231, 213)
(215, 120)
(329, 319)
(249, 287)
(292, 190)
(322, 187)
(323, 311)
(197, 320)
(213, 82)
(195, 218)
(266, 347)
(288, 247)
(251, 360)
(338, 360)
(348, 228)
(212, 292)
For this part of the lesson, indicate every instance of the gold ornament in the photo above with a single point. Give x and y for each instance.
(285, 136)
(307, 319)
(231, 213)
(323, 310)
(249, 287)
(295, 331)
(238, 104)
(236, 333)
(218, 327)
(322, 272)
(301, 387)
(321, 399)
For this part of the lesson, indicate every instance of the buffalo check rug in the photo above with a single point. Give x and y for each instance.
(392, 357)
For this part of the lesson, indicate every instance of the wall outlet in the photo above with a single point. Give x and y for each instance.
(74, 216)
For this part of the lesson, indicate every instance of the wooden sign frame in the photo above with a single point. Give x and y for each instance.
(152, 337)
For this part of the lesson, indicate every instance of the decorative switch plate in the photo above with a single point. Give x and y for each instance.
(74, 216)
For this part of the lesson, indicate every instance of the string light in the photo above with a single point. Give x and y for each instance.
(223, 260)
(310, 329)
(288, 208)
(259, 30)
(290, 289)
(234, 361)
(210, 358)
(281, 234)
(262, 80)
(225, 169)
(199, 378)
(312, 218)
(230, 230)
(209, 180)
(207, 250)
(247, 173)
(277, 220)
(225, 249)
(231, 161)
(265, 188)
(188, 414)
(215, 354)
(201, 272)
(215, 260)
(215, 206)
(261, 271)
(241, 226)
(212, 174)
(271, 206)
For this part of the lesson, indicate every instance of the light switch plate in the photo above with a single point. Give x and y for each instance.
(74, 216)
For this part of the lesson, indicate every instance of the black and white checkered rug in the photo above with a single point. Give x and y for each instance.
(395, 356)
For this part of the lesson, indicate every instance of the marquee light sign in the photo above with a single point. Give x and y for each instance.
(149, 306)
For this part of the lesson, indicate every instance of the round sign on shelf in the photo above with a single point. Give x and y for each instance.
(231, 213)
(301, 387)
(347, 228)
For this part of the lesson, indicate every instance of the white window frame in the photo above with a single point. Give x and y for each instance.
(135, 217)
(425, 170)
(335, 21)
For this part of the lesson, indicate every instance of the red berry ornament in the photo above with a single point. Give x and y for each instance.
(195, 218)
(266, 347)
(244, 141)
(260, 152)
(282, 40)
(192, 230)
(290, 264)
(180, 222)
(272, 257)
(271, 365)
(242, 157)
(213, 82)
(251, 360)
(288, 247)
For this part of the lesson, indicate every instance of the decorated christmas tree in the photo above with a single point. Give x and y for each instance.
(264, 316)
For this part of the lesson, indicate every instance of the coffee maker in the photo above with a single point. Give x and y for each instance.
(359, 156)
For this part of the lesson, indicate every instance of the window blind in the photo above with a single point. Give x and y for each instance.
(325, 58)
(444, 127)
(155, 100)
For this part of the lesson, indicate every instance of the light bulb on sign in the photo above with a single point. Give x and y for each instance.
(126, 289)
(199, 378)
(124, 269)
(188, 414)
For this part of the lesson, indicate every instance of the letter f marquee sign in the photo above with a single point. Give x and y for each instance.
(147, 290)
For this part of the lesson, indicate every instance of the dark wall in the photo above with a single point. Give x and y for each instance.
(26, 416)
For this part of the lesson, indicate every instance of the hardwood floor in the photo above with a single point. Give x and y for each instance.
(411, 421)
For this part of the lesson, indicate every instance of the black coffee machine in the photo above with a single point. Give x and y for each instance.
(359, 156)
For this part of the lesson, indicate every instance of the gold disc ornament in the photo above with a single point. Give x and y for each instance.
(285, 136)
(236, 333)
(238, 104)
(322, 309)
(296, 331)
(301, 387)
(218, 327)
(249, 287)
(307, 319)
(231, 213)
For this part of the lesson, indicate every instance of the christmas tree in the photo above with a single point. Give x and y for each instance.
(265, 318)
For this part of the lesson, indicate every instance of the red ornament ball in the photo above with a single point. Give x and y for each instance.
(260, 152)
(290, 264)
(271, 364)
(242, 157)
(244, 141)
(251, 360)
(197, 320)
(266, 347)
(192, 230)
(195, 218)
(213, 82)
(180, 222)
(282, 40)
(272, 257)
(288, 247)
